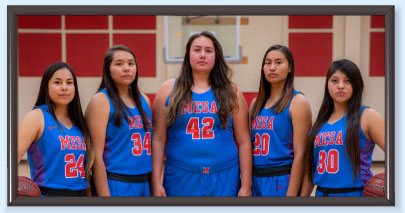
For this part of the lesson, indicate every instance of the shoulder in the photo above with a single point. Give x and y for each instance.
(236, 89)
(166, 88)
(169, 84)
(146, 98)
(34, 119)
(300, 107)
(370, 115)
(253, 102)
(299, 100)
(99, 98)
(35, 114)
(98, 103)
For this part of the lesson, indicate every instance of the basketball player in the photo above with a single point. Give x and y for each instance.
(281, 119)
(118, 119)
(203, 119)
(56, 137)
(343, 136)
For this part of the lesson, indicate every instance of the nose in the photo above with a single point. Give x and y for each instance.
(272, 66)
(64, 86)
(202, 54)
(126, 67)
(341, 85)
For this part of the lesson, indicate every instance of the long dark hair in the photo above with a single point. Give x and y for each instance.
(108, 83)
(219, 79)
(265, 86)
(353, 111)
(74, 108)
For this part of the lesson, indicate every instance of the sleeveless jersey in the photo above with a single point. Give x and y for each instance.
(58, 159)
(197, 138)
(272, 137)
(333, 167)
(127, 148)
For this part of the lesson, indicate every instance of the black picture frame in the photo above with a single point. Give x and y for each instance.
(12, 90)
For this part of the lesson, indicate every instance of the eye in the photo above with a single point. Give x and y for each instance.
(209, 51)
(197, 50)
(131, 63)
(70, 82)
(333, 80)
(267, 63)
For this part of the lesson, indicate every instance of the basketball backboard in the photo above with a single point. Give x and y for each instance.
(178, 29)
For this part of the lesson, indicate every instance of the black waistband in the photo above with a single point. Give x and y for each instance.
(128, 178)
(61, 192)
(337, 190)
(272, 171)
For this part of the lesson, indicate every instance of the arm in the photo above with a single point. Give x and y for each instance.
(301, 117)
(375, 127)
(29, 130)
(242, 137)
(159, 136)
(149, 175)
(250, 114)
(307, 186)
(97, 113)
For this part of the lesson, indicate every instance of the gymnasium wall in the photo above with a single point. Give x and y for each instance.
(315, 41)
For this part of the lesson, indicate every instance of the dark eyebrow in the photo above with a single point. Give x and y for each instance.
(120, 60)
(277, 59)
(61, 79)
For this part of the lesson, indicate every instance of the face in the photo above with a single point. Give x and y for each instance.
(123, 68)
(61, 87)
(276, 67)
(202, 54)
(340, 87)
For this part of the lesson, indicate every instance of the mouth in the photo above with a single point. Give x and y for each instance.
(202, 62)
(63, 95)
(340, 93)
(127, 76)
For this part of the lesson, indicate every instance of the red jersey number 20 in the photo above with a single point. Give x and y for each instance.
(261, 145)
(200, 132)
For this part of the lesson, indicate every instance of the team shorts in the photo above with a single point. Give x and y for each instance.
(181, 179)
(124, 189)
(275, 186)
(358, 193)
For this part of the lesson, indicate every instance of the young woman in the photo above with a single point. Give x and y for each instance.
(281, 119)
(203, 119)
(343, 136)
(56, 137)
(118, 117)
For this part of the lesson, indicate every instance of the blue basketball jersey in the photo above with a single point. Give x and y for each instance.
(127, 148)
(58, 159)
(272, 137)
(197, 138)
(333, 167)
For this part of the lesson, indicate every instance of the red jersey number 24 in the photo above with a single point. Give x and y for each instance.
(73, 167)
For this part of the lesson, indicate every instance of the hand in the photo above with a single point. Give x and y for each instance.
(245, 192)
(159, 191)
